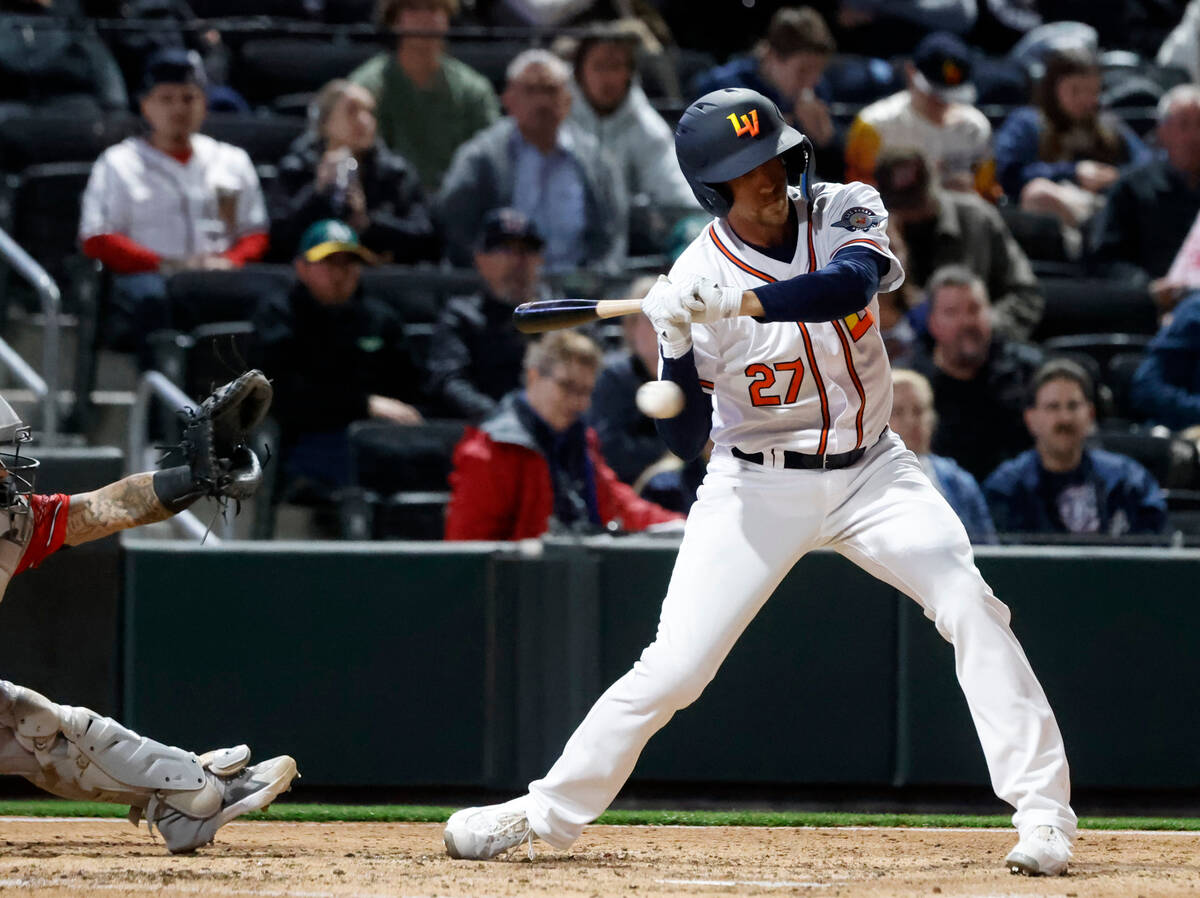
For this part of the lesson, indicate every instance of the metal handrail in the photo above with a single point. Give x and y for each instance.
(51, 299)
(156, 386)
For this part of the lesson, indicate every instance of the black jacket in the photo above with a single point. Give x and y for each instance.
(325, 361)
(981, 422)
(475, 356)
(401, 225)
(1137, 233)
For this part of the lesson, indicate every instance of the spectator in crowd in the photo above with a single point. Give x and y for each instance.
(1136, 25)
(169, 201)
(1150, 209)
(341, 169)
(51, 59)
(1166, 386)
(895, 308)
(1061, 154)
(1181, 48)
(476, 356)
(535, 466)
(175, 26)
(948, 227)
(788, 66)
(915, 421)
(536, 161)
(888, 28)
(429, 102)
(979, 379)
(608, 102)
(336, 354)
(1060, 486)
(935, 113)
(628, 439)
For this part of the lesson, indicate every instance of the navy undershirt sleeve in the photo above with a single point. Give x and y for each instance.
(686, 433)
(841, 288)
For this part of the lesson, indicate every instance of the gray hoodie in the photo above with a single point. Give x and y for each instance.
(642, 143)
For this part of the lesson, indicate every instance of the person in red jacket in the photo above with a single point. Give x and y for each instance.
(534, 466)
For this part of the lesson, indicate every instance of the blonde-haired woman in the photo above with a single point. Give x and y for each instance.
(341, 169)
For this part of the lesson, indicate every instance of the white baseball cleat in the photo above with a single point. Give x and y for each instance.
(1042, 852)
(479, 834)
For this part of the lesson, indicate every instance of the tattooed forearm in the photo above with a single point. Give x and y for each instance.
(127, 503)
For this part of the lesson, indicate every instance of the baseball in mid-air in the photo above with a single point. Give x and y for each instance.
(660, 399)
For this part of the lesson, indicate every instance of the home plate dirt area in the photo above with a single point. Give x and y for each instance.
(41, 858)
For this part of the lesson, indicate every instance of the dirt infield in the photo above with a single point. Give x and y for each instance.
(44, 858)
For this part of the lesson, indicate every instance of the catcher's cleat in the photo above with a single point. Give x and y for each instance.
(244, 790)
(479, 834)
(1043, 852)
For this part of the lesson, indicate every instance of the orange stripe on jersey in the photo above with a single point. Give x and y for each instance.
(865, 240)
(862, 395)
(816, 373)
(706, 384)
(728, 254)
(812, 360)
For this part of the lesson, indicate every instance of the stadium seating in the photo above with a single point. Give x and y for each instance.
(1171, 459)
(1121, 369)
(45, 214)
(269, 68)
(419, 292)
(266, 138)
(1094, 305)
(35, 138)
(403, 473)
(489, 58)
(204, 297)
(1039, 235)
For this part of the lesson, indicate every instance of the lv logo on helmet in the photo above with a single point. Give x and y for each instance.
(748, 124)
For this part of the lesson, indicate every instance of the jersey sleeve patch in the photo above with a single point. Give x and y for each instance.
(858, 218)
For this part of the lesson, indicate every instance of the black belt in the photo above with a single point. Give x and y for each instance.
(807, 462)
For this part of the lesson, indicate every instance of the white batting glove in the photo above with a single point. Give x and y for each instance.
(719, 302)
(670, 308)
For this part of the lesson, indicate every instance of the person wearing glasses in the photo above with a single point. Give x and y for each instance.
(535, 467)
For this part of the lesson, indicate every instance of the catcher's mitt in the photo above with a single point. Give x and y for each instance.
(214, 437)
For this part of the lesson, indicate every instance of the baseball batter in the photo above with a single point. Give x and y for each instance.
(74, 752)
(767, 323)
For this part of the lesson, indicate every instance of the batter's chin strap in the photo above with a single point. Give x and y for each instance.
(810, 167)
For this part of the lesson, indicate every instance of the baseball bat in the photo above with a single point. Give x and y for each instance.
(554, 314)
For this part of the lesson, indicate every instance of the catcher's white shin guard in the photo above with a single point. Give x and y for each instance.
(83, 756)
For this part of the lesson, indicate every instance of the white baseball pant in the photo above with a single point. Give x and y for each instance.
(748, 527)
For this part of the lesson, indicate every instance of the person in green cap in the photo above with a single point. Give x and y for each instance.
(428, 102)
(336, 354)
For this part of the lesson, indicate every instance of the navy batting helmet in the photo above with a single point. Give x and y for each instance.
(729, 132)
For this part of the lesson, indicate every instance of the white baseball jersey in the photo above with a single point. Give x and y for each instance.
(176, 209)
(956, 146)
(818, 388)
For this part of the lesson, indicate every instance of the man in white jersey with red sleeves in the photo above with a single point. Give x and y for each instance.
(767, 323)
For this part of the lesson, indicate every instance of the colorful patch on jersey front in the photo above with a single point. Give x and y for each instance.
(859, 218)
(859, 323)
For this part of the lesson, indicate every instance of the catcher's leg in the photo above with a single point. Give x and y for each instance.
(75, 753)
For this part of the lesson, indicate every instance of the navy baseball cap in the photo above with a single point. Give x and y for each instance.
(174, 65)
(505, 226)
(943, 64)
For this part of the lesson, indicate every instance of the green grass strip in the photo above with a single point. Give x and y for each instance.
(389, 813)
